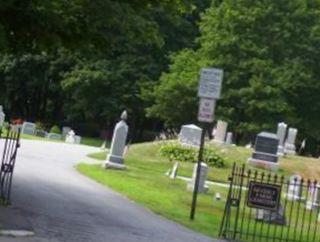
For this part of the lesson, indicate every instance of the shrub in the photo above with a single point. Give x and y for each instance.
(176, 152)
(40, 126)
(55, 130)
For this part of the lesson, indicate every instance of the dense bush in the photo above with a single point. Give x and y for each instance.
(55, 130)
(176, 152)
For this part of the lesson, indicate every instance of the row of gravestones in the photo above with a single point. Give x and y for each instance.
(268, 147)
(30, 129)
(190, 134)
(70, 136)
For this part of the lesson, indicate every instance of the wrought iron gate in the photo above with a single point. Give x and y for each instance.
(288, 210)
(11, 143)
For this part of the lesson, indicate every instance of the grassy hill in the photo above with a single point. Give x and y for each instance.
(145, 182)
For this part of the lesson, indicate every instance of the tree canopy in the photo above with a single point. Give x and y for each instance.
(269, 51)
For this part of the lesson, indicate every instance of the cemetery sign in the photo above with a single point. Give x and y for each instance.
(206, 110)
(210, 83)
(264, 196)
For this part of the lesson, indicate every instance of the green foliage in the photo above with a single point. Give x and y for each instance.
(269, 52)
(176, 152)
(55, 130)
(40, 126)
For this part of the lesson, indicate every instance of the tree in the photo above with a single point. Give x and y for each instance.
(268, 50)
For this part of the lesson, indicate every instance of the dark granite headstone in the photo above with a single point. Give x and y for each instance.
(265, 150)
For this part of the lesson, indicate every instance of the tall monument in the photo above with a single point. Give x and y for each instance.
(115, 157)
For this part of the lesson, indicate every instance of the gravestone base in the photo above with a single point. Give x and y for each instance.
(311, 205)
(263, 164)
(272, 217)
(190, 188)
(280, 150)
(290, 149)
(114, 162)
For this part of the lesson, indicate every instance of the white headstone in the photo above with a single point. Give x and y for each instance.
(2, 116)
(281, 133)
(221, 130)
(174, 172)
(70, 138)
(77, 139)
(294, 189)
(190, 135)
(65, 130)
(202, 178)
(28, 128)
(290, 147)
(313, 196)
(115, 157)
(229, 138)
(54, 136)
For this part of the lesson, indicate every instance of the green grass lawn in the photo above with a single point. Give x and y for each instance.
(145, 183)
(305, 166)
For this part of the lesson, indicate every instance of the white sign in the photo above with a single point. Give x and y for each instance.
(210, 83)
(206, 110)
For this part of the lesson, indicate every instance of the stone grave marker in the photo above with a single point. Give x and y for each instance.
(65, 130)
(2, 117)
(265, 152)
(115, 157)
(202, 188)
(28, 128)
(294, 192)
(70, 138)
(77, 139)
(290, 147)
(40, 133)
(281, 133)
(229, 138)
(220, 134)
(190, 135)
(313, 197)
(174, 171)
(54, 136)
(273, 217)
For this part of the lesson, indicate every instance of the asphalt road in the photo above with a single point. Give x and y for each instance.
(62, 205)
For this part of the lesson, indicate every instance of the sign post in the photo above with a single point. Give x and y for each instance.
(209, 91)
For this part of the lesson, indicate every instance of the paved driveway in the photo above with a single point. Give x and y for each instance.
(62, 205)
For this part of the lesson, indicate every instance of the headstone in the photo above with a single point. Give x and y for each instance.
(115, 157)
(202, 188)
(265, 151)
(2, 116)
(28, 128)
(220, 135)
(272, 217)
(77, 139)
(174, 172)
(281, 133)
(229, 138)
(218, 196)
(190, 135)
(40, 133)
(313, 197)
(54, 136)
(294, 192)
(290, 147)
(65, 130)
(70, 138)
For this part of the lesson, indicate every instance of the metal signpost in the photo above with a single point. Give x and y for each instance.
(209, 91)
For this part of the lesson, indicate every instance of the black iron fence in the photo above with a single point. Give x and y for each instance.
(267, 207)
(10, 141)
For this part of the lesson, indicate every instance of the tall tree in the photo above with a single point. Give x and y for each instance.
(269, 52)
